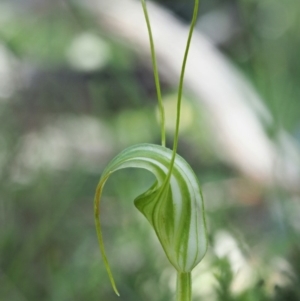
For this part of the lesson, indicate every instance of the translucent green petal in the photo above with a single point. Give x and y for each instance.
(174, 209)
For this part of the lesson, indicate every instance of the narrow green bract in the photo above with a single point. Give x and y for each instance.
(174, 208)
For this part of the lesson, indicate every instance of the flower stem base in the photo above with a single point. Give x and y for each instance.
(184, 287)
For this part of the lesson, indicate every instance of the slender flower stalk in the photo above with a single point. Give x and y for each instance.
(156, 75)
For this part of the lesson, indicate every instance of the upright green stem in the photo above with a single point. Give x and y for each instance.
(156, 76)
(183, 287)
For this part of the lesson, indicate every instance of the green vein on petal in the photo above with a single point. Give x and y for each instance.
(174, 209)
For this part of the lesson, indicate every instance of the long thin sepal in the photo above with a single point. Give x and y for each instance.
(156, 74)
(99, 233)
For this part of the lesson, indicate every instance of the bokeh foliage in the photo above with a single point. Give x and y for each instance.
(48, 245)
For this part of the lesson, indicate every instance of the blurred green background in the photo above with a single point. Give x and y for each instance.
(62, 118)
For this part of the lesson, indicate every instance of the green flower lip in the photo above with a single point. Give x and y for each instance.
(174, 208)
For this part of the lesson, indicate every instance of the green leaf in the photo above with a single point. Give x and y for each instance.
(174, 208)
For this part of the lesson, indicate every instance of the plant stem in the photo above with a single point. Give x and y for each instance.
(180, 88)
(156, 76)
(184, 287)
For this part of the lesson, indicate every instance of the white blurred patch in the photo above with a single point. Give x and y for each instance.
(7, 62)
(227, 246)
(288, 161)
(88, 52)
(204, 280)
(67, 141)
(218, 26)
(293, 212)
(274, 19)
(6, 13)
(280, 273)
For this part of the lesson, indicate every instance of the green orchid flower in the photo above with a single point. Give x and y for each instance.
(173, 205)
